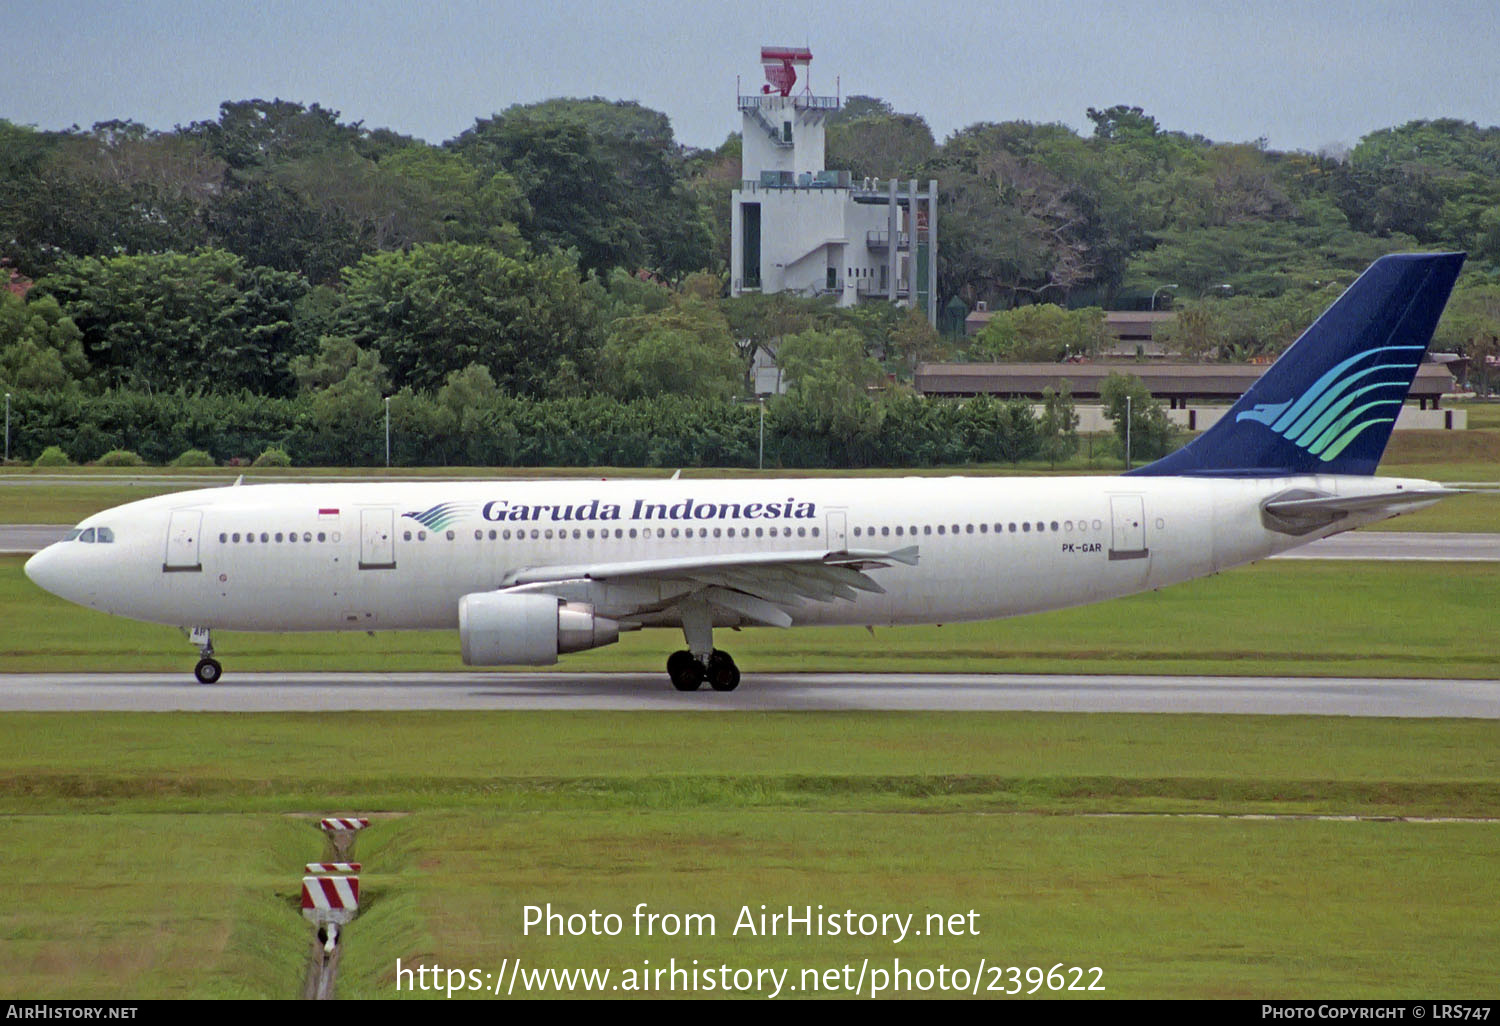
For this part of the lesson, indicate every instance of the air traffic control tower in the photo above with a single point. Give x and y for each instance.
(798, 227)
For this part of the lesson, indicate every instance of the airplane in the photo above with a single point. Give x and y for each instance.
(526, 571)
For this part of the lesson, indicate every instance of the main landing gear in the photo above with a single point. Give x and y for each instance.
(688, 673)
(208, 669)
(700, 661)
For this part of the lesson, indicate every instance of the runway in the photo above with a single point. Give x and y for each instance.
(24, 539)
(343, 692)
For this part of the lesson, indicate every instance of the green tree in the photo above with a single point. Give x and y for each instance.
(829, 377)
(1057, 427)
(1042, 332)
(443, 306)
(201, 321)
(1151, 435)
(685, 349)
(1471, 326)
(40, 348)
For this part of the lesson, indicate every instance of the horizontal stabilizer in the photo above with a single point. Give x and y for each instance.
(1301, 512)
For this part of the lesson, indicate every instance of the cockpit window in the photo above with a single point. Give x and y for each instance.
(73, 534)
(105, 536)
(87, 537)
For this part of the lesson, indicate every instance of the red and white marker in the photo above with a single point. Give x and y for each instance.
(330, 899)
(344, 824)
(333, 867)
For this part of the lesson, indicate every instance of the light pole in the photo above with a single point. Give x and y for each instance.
(760, 463)
(1159, 292)
(1127, 432)
(7, 427)
(387, 431)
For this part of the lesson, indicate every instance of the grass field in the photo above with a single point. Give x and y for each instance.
(158, 855)
(1320, 618)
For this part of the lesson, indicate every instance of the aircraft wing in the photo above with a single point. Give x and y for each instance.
(763, 587)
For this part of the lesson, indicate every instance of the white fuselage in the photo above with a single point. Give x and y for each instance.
(340, 556)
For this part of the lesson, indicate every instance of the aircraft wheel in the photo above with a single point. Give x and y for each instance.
(723, 675)
(686, 671)
(208, 671)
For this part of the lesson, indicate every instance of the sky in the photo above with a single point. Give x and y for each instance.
(1302, 74)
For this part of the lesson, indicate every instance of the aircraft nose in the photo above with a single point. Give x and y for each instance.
(44, 570)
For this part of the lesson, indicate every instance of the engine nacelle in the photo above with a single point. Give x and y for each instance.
(495, 629)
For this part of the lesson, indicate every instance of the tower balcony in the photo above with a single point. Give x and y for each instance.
(882, 240)
(775, 101)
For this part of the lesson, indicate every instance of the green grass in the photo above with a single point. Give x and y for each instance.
(158, 855)
(1277, 617)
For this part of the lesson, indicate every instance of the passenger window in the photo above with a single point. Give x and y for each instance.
(223, 538)
(759, 531)
(674, 532)
(322, 536)
(307, 536)
(479, 535)
(968, 529)
(492, 534)
(1026, 527)
(278, 536)
(406, 536)
(984, 528)
(505, 535)
(942, 529)
(249, 537)
(577, 533)
(535, 534)
(1041, 526)
(449, 535)
(264, 537)
(815, 532)
(235, 536)
(661, 532)
(856, 532)
(87, 537)
(1012, 528)
(899, 531)
(885, 532)
(1054, 525)
(801, 532)
(293, 536)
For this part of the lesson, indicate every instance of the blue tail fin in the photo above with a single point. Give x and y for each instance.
(1328, 404)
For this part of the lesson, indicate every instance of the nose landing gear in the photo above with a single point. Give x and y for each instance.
(208, 669)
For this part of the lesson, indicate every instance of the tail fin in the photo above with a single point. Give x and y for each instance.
(1328, 404)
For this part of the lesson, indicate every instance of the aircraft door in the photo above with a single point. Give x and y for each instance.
(838, 531)
(377, 539)
(182, 542)
(1128, 540)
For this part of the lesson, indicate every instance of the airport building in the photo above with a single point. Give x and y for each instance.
(800, 227)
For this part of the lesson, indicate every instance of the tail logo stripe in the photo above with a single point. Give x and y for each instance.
(1316, 421)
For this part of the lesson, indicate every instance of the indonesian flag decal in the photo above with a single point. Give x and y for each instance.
(327, 513)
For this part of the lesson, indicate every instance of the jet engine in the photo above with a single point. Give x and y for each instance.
(496, 629)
